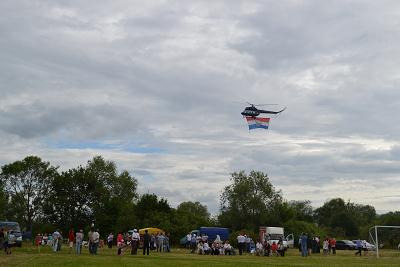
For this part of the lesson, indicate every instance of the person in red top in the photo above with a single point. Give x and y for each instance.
(71, 239)
(274, 249)
(120, 243)
(38, 240)
(333, 245)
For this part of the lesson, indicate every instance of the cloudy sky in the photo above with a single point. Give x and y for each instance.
(158, 87)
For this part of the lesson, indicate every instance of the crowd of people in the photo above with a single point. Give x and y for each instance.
(308, 245)
(124, 241)
(131, 241)
(201, 245)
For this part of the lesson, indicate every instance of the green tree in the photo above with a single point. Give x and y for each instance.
(95, 193)
(346, 218)
(4, 204)
(153, 212)
(28, 181)
(302, 210)
(190, 216)
(249, 201)
(113, 194)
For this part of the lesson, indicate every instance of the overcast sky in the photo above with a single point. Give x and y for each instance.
(158, 87)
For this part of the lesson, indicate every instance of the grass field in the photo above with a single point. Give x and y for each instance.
(29, 256)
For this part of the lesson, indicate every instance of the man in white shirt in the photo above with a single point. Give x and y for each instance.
(241, 242)
(96, 240)
(135, 242)
(188, 239)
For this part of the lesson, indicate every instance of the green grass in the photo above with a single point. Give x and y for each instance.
(30, 256)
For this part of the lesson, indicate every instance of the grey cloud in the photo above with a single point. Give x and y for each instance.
(170, 76)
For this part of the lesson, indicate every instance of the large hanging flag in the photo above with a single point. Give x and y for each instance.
(255, 122)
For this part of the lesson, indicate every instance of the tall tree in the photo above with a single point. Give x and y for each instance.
(248, 201)
(4, 205)
(28, 181)
(192, 215)
(94, 193)
(345, 217)
(114, 194)
(302, 210)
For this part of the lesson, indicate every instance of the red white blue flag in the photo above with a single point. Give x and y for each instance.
(255, 123)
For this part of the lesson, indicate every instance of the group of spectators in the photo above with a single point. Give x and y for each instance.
(308, 245)
(124, 241)
(267, 248)
(201, 245)
(159, 242)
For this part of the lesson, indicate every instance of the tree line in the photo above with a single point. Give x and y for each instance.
(42, 198)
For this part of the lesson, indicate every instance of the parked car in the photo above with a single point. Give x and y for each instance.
(369, 245)
(345, 245)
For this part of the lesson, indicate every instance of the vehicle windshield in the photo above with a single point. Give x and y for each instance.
(11, 226)
(275, 236)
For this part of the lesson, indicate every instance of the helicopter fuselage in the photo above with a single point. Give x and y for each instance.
(250, 112)
(254, 112)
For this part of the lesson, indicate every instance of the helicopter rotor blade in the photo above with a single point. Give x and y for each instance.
(269, 104)
(259, 105)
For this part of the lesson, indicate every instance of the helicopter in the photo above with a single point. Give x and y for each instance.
(252, 111)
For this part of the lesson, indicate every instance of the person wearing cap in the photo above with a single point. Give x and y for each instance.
(135, 238)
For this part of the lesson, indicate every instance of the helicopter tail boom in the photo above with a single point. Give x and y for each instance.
(271, 112)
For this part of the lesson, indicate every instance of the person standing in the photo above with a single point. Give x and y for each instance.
(188, 239)
(146, 242)
(359, 247)
(317, 239)
(90, 240)
(160, 242)
(71, 239)
(241, 243)
(303, 242)
(193, 244)
(78, 241)
(135, 242)
(325, 246)
(248, 241)
(333, 246)
(96, 240)
(120, 243)
(309, 245)
(166, 242)
(55, 236)
(59, 242)
(110, 240)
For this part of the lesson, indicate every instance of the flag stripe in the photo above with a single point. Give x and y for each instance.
(255, 123)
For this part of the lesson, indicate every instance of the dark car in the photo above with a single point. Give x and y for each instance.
(345, 245)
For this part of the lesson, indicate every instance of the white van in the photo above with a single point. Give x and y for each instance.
(274, 234)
